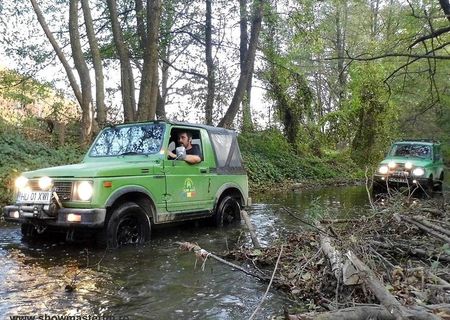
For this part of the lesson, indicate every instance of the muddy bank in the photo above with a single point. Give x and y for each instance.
(403, 243)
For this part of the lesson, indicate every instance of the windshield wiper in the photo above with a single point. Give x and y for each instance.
(129, 153)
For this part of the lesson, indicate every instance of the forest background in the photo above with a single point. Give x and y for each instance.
(317, 89)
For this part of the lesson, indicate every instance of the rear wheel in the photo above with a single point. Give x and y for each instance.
(227, 212)
(128, 225)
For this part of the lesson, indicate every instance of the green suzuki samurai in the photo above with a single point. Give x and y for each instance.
(127, 182)
(415, 164)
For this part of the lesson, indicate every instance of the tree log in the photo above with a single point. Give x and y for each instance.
(426, 229)
(251, 229)
(422, 220)
(385, 297)
(355, 313)
(413, 251)
(333, 255)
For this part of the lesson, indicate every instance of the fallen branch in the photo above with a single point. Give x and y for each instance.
(203, 255)
(385, 297)
(270, 284)
(332, 221)
(354, 313)
(424, 228)
(412, 250)
(333, 255)
(430, 225)
(251, 229)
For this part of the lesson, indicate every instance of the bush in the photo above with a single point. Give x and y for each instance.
(269, 159)
(18, 154)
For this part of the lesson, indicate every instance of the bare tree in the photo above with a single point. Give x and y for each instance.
(148, 95)
(247, 123)
(209, 65)
(247, 69)
(126, 71)
(98, 67)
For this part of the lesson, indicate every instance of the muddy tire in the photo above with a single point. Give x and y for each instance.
(440, 184)
(378, 191)
(227, 212)
(28, 231)
(128, 225)
(429, 188)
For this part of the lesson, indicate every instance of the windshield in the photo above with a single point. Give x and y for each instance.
(411, 150)
(129, 140)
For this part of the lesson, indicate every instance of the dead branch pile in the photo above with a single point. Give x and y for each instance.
(395, 260)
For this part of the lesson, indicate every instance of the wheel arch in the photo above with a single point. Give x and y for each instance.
(136, 194)
(229, 190)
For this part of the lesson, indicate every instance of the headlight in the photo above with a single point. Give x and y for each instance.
(21, 182)
(418, 172)
(383, 169)
(408, 165)
(45, 183)
(84, 190)
(392, 164)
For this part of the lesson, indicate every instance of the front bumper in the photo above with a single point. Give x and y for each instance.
(399, 181)
(64, 217)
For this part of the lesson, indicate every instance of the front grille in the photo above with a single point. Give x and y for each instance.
(62, 188)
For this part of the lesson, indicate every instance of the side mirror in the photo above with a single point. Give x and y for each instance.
(181, 153)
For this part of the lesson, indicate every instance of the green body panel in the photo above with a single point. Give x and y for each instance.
(175, 188)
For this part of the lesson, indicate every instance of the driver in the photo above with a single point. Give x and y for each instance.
(193, 153)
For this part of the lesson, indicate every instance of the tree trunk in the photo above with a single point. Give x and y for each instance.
(445, 5)
(247, 123)
(244, 77)
(59, 53)
(126, 71)
(98, 67)
(148, 95)
(83, 73)
(140, 24)
(209, 65)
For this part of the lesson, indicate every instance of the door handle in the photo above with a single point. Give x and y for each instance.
(203, 170)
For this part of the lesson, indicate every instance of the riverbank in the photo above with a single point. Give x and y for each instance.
(397, 256)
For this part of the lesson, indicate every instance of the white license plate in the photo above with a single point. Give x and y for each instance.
(397, 180)
(37, 197)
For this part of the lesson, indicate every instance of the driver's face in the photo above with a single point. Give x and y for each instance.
(183, 140)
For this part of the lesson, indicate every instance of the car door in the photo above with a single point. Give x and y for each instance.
(187, 185)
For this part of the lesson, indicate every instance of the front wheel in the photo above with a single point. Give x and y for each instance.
(227, 212)
(128, 225)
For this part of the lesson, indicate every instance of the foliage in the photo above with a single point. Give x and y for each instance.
(18, 154)
(270, 158)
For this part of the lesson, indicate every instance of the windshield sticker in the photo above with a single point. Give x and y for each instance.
(188, 188)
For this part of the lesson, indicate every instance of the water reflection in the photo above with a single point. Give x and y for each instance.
(156, 281)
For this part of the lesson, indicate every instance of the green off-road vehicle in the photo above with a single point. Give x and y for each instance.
(414, 164)
(126, 184)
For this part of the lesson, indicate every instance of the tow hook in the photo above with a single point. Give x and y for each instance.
(40, 229)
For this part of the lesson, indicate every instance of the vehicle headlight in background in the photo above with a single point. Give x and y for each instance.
(383, 169)
(392, 164)
(45, 183)
(408, 165)
(21, 182)
(418, 172)
(84, 190)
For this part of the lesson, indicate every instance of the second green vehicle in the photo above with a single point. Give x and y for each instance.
(413, 164)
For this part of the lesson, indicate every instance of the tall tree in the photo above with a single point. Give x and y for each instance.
(83, 73)
(247, 70)
(84, 96)
(211, 80)
(126, 71)
(247, 122)
(148, 94)
(97, 62)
